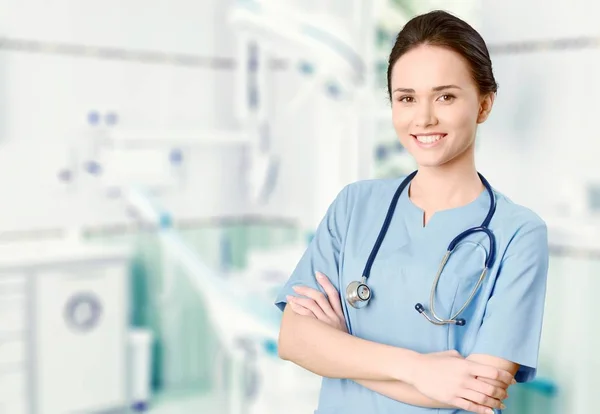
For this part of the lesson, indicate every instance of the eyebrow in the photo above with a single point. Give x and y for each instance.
(434, 89)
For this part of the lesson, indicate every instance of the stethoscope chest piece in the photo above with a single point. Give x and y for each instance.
(358, 294)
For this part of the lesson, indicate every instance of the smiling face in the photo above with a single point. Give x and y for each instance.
(436, 106)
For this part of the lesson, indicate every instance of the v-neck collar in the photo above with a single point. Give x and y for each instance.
(456, 218)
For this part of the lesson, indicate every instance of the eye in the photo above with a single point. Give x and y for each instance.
(447, 97)
(406, 99)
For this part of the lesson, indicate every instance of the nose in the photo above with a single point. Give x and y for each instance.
(424, 116)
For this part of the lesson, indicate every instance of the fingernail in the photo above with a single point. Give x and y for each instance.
(289, 298)
(514, 381)
(490, 411)
(502, 406)
(295, 288)
(319, 275)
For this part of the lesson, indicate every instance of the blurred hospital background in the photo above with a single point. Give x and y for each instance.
(164, 163)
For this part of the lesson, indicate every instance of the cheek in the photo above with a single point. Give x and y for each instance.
(401, 118)
(401, 122)
(459, 117)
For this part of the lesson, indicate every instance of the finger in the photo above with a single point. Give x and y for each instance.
(313, 307)
(472, 406)
(332, 294)
(486, 389)
(482, 400)
(487, 371)
(319, 298)
(494, 383)
(300, 310)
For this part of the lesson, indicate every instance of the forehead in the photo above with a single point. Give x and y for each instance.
(427, 66)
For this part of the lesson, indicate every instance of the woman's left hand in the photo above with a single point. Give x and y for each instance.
(315, 304)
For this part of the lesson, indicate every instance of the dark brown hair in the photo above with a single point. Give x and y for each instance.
(440, 28)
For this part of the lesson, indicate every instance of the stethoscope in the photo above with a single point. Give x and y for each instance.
(358, 293)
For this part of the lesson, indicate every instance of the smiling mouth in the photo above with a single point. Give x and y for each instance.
(428, 139)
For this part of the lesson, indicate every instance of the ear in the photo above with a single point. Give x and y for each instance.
(485, 107)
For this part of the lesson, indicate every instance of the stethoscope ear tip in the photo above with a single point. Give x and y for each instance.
(461, 322)
(419, 308)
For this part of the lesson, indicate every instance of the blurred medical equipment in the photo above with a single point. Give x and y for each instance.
(63, 336)
(302, 37)
(330, 56)
(139, 368)
(358, 293)
(121, 157)
(250, 377)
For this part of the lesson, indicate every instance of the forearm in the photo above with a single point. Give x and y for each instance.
(331, 353)
(408, 394)
(403, 392)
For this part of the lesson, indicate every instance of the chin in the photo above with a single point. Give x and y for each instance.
(429, 162)
(428, 166)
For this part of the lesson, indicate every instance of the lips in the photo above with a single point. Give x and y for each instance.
(428, 140)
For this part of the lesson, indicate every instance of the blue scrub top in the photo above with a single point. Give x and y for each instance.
(504, 319)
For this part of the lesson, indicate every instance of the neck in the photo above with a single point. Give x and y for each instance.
(443, 187)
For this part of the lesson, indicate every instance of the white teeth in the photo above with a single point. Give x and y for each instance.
(428, 139)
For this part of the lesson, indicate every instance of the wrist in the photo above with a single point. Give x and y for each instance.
(415, 364)
(406, 364)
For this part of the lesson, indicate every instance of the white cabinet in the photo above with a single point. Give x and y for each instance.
(13, 392)
(13, 343)
(63, 328)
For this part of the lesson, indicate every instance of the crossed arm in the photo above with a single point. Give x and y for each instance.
(313, 335)
(406, 393)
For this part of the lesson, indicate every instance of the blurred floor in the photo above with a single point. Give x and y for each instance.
(184, 404)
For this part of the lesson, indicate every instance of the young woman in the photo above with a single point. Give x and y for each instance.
(377, 307)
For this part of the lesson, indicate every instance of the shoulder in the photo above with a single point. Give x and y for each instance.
(518, 224)
(372, 188)
(364, 193)
(511, 214)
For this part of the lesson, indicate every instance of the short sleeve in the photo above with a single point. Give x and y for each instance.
(512, 324)
(323, 251)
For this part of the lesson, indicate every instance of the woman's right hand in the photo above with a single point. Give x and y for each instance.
(449, 378)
